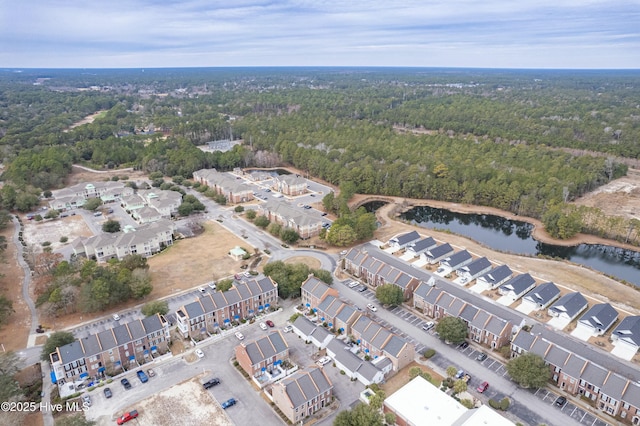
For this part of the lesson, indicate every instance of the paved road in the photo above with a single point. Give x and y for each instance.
(27, 276)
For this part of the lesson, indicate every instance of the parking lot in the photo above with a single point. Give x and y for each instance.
(569, 409)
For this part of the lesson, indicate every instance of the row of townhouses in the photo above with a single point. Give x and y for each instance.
(152, 205)
(75, 196)
(109, 351)
(146, 240)
(234, 190)
(370, 337)
(213, 311)
(612, 384)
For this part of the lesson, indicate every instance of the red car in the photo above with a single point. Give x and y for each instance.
(127, 416)
(269, 323)
(483, 387)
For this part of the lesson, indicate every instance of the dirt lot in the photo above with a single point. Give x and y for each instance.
(620, 197)
(71, 227)
(196, 260)
(172, 408)
(402, 378)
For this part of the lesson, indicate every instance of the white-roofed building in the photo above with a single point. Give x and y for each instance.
(419, 403)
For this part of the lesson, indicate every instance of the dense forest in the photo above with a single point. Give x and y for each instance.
(527, 141)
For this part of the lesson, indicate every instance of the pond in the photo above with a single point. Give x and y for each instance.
(514, 236)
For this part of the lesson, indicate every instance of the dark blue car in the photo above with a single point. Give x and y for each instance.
(228, 403)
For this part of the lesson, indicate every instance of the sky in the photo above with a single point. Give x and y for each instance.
(574, 34)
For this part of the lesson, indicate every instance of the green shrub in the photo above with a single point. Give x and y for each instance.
(494, 404)
(342, 372)
(46, 243)
(504, 404)
(429, 353)
(64, 239)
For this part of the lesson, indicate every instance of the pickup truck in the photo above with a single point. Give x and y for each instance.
(143, 377)
(127, 417)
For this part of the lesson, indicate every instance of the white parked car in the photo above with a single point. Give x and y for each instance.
(199, 353)
(201, 289)
(428, 326)
(212, 285)
(287, 329)
(323, 361)
(116, 317)
(354, 284)
(371, 307)
(263, 326)
(239, 335)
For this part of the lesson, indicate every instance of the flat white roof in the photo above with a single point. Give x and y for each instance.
(484, 416)
(420, 403)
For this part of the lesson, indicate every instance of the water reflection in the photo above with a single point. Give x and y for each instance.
(514, 236)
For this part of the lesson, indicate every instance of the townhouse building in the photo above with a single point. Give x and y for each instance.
(124, 346)
(262, 354)
(302, 394)
(611, 386)
(313, 291)
(371, 268)
(376, 341)
(213, 311)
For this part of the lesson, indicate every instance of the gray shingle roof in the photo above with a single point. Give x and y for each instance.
(439, 251)
(306, 385)
(266, 347)
(518, 284)
(423, 244)
(71, 352)
(594, 374)
(122, 334)
(136, 330)
(629, 330)
(477, 265)
(107, 339)
(91, 345)
(557, 356)
(497, 274)
(394, 345)
(456, 259)
(314, 286)
(543, 294)
(304, 325)
(574, 365)
(346, 313)
(600, 316)
(571, 303)
(406, 238)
